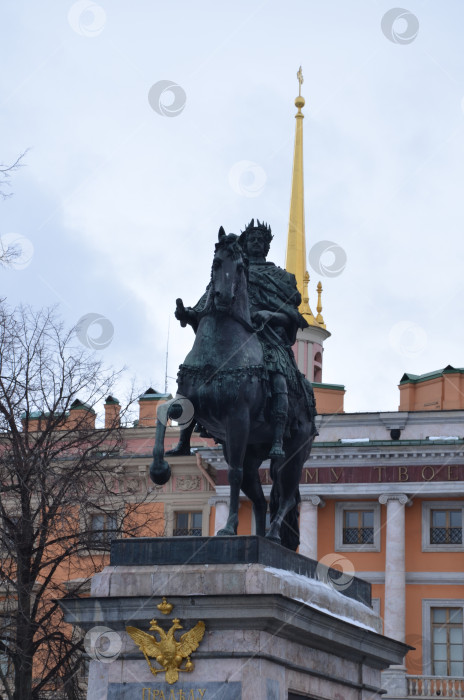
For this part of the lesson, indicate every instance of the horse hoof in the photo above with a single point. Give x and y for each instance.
(225, 532)
(160, 473)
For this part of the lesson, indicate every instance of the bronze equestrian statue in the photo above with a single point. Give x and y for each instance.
(239, 377)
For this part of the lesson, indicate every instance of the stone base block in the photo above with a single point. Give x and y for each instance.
(271, 633)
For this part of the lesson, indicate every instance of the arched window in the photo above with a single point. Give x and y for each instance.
(317, 367)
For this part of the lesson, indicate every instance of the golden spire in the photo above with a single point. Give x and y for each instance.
(296, 244)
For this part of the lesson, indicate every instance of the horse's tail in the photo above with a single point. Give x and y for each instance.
(160, 471)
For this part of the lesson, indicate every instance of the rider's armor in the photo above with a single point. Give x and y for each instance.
(272, 289)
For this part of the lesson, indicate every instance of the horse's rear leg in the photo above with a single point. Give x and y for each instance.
(286, 479)
(236, 441)
(252, 488)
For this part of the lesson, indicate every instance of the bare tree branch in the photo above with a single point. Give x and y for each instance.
(9, 253)
(6, 172)
(58, 476)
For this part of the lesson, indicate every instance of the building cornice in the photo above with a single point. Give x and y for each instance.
(326, 455)
(419, 578)
(390, 419)
(417, 489)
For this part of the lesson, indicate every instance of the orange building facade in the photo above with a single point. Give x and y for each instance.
(383, 499)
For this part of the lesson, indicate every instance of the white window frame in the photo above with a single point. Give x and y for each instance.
(106, 514)
(85, 523)
(190, 514)
(427, 605)
(172, 508)
(427, 507)
(340, 508)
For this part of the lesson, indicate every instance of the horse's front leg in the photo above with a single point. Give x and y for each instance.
(278, 500)
(285, 474)
(253, 489)
(236, 442)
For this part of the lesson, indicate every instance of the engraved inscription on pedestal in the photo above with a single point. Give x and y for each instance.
(180, 691)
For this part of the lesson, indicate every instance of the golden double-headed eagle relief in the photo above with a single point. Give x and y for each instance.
(169, 653)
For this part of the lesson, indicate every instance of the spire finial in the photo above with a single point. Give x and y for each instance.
(305, 309)
(299, 75)
(300, 101)
(319, 317)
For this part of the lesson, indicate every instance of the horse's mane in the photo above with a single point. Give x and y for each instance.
(230, 243)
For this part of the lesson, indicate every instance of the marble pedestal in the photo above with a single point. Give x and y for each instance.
(277, 628)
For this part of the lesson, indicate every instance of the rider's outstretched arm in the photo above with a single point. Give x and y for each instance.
(186, 315)
(190, 315)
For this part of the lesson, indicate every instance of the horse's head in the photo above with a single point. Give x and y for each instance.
(229, 273)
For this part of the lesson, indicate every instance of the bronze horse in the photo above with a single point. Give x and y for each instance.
(225, 380)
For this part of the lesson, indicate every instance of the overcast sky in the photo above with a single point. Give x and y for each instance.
(125, 186)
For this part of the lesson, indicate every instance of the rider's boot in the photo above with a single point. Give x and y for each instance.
(279, 421)
(183, 446)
